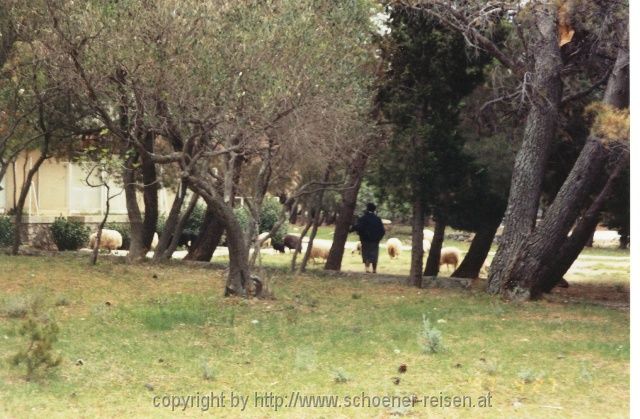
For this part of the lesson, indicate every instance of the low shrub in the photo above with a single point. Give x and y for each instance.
(6, 231)
(69, 235)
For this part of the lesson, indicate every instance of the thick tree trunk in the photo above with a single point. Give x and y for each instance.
(432, 266)
(209, 238)
(590, 240)
(525, 271)
(142, 228)
(573, 245)
(347, 209)
(136, 248)
(531, 160)
(239, 281)
(474, 259)
(417, 236)
(149, 192)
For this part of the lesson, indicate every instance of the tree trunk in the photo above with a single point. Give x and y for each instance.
(239, 279)
(149, 193)
(209, 238)
(417, 236)
(433, 261)
(299, 247)
(581, 233)
(347, 209)
(531, 159)
(136, 248)
(474, 259)
(24, 193)
(142, 228)
(590, 240)
(168, 233)
(312, 237)
(174, 232)
(524, 273)
(96, 249)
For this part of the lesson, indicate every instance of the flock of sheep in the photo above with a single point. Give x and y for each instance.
(449, 256)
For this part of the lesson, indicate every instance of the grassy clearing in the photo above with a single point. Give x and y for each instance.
(146, 330)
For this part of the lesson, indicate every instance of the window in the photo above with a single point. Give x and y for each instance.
(84, 199)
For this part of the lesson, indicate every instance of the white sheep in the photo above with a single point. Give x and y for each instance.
(267, 242)
(320, 250)
(450, 256)
(110, 240)
(393, 247)
(357, 249)
(154, 241)
(428, 234)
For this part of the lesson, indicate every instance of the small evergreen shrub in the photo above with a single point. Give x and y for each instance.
(41, 333)
(430, 337)
(6, 231)
(69, 235)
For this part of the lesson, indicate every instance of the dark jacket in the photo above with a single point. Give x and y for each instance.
(369, 227)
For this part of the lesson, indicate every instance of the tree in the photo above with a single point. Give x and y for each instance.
(560, 50)
(428, 76)
(232, 95)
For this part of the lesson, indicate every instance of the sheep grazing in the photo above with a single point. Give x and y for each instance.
(320, 250)
(187, 238)
(279, 247)
(291, 241)
(428, 234)
(358, 248)
(267, 241)
(154, 241)
(450, 256)
(110, 240)
(394, 246)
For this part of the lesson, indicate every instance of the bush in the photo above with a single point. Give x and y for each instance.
(6, 231)
(430, 337)
(125, 231)
(69, 235)
(268, 218)
(196, 219)
(193, 224)
(41, 334)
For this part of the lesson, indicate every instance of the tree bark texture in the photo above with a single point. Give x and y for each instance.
(417, 236)
(432, 267)
(531, 160)
(473, 261)
(347, 209)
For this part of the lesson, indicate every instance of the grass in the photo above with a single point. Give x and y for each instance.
(139, 337)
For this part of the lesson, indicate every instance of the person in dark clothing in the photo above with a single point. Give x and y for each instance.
(370, 229)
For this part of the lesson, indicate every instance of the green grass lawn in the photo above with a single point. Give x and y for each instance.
(144, 331)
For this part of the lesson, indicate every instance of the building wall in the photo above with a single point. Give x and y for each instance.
(59, 189)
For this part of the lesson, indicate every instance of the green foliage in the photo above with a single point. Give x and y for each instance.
(69, 235)
(125, 231)
(6, 231)
(271, 210)
(429, 74)
(41, 333)
(430, 338)
(194, 223)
